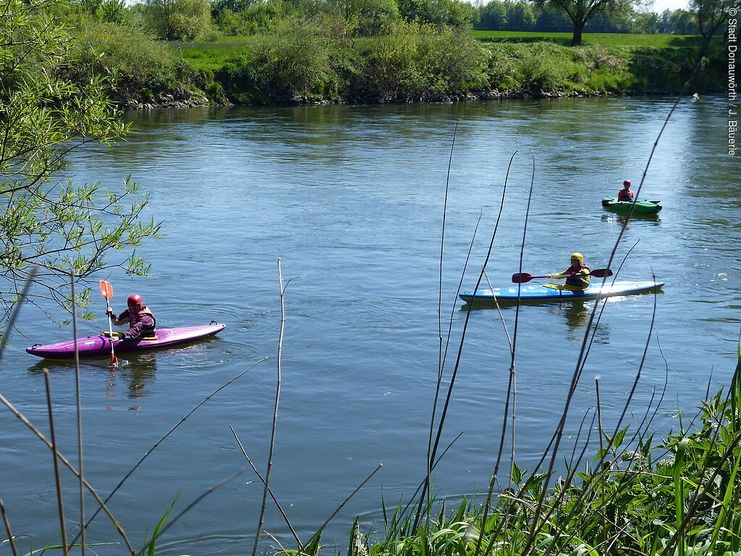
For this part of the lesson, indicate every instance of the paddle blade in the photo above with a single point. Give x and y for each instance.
(522, 277)
(601, 272)
(106, 289)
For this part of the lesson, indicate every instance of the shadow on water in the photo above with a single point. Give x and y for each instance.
(137, 369)
(575, 312)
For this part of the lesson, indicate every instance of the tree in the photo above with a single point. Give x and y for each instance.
(457, 13)
(179, 20)
(47, 222)
(492, 16)
(710, 15)
(581, 11)
(520, 16)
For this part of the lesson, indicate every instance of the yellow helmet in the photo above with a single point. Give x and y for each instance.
(577, 256)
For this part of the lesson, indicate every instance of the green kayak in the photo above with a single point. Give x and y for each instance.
(624, 207)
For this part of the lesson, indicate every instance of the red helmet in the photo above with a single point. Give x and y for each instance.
(627, 182)
(135, 301)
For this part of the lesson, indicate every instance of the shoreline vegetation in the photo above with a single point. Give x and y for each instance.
(304, 62)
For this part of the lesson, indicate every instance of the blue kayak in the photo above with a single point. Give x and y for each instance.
(557, 292)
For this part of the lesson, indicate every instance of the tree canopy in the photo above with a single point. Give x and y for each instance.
(47, 221)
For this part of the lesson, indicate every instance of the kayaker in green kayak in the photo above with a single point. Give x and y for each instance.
(577, 275)
(625, 194)
(138, 316)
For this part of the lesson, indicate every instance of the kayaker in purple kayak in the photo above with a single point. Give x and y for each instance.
(577, 275)
(138, 316)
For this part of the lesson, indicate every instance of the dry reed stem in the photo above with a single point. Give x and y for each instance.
(189, 507)
(168, 433)
(270, 491)
(273, 428)
(582, 354)
(78, 408)
(8, 530)
(442, 353)
(511, 380)
(57, 478)
(459, 354)
(342, 504)
(69, 466)
(16, 308)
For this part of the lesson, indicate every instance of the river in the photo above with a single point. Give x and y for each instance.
(350, 199)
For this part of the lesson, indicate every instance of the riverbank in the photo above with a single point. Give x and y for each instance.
(309, 64)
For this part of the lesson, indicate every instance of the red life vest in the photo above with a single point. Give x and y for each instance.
(625, 195)
(575, 278)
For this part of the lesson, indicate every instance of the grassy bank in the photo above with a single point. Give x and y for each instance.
(634, 496)
(303, 62)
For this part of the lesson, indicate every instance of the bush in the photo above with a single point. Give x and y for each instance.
(295, 63)
(420, 62)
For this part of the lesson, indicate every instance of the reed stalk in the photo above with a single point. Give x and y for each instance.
(22, 418)
(459, 354)
(187, 508)
(57, 478)
(8, 530)
(78, 411)
(274, 426)
(270, 490)
(165, 436)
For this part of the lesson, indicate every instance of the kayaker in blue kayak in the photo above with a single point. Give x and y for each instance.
(138, 316)
(577, 275)
(625, 194)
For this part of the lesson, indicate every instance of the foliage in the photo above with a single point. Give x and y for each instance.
(254, 18)
(45, 221)
(368, 17)
(420, 62)
(174, 20)
(637, 497)
(711, 14)
(138, 67)
(297, 62)
(456, 13)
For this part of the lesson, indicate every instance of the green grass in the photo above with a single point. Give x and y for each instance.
(603, 39)
(202, 55)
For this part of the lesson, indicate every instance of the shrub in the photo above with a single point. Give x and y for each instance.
(295, 63)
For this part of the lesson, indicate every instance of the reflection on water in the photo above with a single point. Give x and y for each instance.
(622, 219)
(138, 371)
(135, 370)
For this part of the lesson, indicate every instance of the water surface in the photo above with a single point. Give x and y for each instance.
(350, 199)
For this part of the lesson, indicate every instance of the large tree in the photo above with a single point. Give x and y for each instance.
(581, 11)
(46, 221)
(711, 15)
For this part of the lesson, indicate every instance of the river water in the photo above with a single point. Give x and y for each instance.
(351, 201)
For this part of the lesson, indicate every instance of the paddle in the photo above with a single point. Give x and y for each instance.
(107, 290)
(521, 278)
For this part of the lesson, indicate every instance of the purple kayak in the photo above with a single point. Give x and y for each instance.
(100, 345)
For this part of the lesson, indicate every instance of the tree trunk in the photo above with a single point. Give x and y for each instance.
(578, 28)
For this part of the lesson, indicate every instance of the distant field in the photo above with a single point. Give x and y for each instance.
(605, 39)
